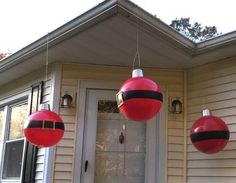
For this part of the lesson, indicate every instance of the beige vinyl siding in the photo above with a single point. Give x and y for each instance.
(40, 165)
(213, 86)
(65, 149)
(173, 81)
(63, 167)
(23, 84)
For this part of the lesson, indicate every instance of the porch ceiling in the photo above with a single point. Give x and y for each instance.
(114, 42)
(107, 35)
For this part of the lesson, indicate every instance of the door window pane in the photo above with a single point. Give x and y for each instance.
(13, 159)
(106, 106)
(17, 120)
(118, 162)
(1, 123)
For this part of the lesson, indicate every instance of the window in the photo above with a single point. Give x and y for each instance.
(1, 123)
(13, 144)
(17, 156)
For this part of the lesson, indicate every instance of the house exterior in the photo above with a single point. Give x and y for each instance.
(89, 58)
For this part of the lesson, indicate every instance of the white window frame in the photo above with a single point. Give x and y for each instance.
(3, 135)
(6, 104)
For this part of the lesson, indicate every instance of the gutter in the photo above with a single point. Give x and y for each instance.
(216, 42)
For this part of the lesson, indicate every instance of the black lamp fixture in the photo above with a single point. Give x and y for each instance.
(176, 106)
(66, 101)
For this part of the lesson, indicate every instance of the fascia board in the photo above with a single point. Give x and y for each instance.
(217, 42)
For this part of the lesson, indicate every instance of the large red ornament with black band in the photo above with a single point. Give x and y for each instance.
(209, 134)
(44, 128)
(139, 98)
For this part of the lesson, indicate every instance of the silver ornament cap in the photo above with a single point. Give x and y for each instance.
(206, 112)
(137, 73)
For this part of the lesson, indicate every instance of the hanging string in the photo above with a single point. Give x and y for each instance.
(204, 103)
(47, 58)
(137, 55)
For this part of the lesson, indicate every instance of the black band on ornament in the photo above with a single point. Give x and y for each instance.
(46, 124)
(142, 94)
(209, 135)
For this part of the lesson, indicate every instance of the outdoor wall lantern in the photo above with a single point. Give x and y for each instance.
(176, 106)
(66, 101)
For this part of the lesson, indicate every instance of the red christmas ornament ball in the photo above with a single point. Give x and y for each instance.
(139, 98)
(44, 128)
(209, 134)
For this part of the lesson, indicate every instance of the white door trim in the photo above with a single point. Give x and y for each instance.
(160, 149)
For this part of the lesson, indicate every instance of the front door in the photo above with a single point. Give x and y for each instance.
(115, 148)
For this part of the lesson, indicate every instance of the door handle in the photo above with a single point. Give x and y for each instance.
(86, 166)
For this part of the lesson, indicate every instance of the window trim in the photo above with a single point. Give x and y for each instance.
(6, 104)
(2, 132)
(15, 98)
(2, 146)
(14, 140)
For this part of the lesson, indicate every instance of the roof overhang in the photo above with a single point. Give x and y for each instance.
(107, 35)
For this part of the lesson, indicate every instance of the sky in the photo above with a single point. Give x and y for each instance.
(25, 21)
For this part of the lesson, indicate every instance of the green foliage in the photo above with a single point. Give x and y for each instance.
(195, 32)
(3, 55)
